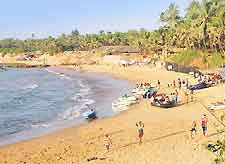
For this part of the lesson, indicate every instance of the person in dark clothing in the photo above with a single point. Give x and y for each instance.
(193, 129)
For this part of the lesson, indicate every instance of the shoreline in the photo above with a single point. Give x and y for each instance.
(92, 97)
(166, 132)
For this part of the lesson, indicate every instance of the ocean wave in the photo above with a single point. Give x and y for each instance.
(40, 125)
(120, 108)
(61, 75)
(81, 103)
(76, 111)
(31, 86)
(53, 72)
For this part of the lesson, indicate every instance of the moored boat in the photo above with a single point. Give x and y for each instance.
(90, 114)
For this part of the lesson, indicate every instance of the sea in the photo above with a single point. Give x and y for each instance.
(35, 102)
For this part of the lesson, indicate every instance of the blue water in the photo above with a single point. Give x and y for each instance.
(35, 101)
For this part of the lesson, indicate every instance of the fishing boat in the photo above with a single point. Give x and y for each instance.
(198, 86)
(168, 104)
(2, 68)
(163, 101)
(91, 114)
(124, 101)
(217, 106)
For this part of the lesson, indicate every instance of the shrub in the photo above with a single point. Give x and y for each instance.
(209, 60)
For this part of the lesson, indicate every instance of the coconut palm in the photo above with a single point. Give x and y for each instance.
(171, 16)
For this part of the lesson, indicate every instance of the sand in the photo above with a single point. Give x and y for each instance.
(166, 134)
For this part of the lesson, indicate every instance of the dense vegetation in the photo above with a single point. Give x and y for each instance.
(200, 59)
(202, 27)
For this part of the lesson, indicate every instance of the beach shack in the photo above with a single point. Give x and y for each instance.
(112, 59)
(114, 50)
(117, 54)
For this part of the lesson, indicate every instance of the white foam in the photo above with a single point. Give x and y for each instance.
(120, 108)
(81, 103)
(53, 72)
(40, 125)
(63, 76)
(32, 86)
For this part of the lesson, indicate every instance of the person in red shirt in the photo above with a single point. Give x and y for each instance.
(204, 124)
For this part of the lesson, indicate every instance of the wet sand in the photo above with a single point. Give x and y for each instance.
(166, 134)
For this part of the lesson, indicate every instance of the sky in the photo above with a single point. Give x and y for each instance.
(21, 18)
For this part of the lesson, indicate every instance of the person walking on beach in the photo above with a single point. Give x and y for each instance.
(108, 142)
(174, 84)
(193, 129)
(140, 126)
(158, 84)
(204, 123)
(192, 95)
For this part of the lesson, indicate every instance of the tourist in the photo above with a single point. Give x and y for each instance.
(183, 84)
(174, 84)
(158, 84)
(192, 95)
(187, 83)
(176, 94)
(140, 126)
(179, 83)
(186, 96)
(204, 123)
(108, 142)
(193, 129)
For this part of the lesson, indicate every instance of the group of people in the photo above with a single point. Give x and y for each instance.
(140, 131)
(204, 125)
(183, 84)
(179, 83)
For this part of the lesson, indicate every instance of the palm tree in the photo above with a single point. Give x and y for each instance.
(217, 24)
(206, 12)
(171, 16)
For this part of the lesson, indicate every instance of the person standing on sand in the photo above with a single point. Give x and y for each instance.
(179, 83)
(187, 83)
(192, 95)
(193, 129)
(140, 126)
(176, 94)
(108, 142)
(186, 96)
(174, 84)
(158, 84)
(204, 123)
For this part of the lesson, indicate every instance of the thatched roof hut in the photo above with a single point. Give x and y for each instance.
(119, 49)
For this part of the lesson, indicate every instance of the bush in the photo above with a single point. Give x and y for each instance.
(186, 57)
(210, 60)
(216, 60)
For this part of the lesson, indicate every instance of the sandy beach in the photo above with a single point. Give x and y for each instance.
(166, 134)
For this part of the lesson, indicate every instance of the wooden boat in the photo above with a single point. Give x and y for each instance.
(164, 105)
(160, 101)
